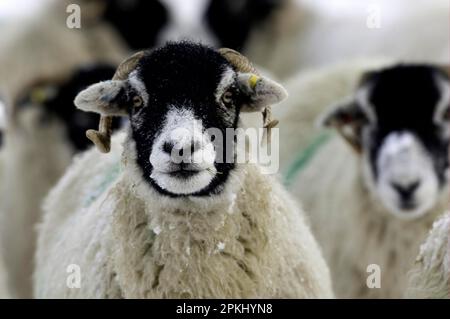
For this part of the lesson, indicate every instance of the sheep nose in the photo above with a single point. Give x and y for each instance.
(406, 191)
(168, 147)
(187, 148)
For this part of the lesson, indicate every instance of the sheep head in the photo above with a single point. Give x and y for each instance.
(175, 96)
(398, 121)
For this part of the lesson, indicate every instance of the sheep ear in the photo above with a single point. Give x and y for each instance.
(107, 98)
(261, 91)
(348, 119)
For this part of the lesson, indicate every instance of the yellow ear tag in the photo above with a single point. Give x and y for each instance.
(253, 80)
(38, 96)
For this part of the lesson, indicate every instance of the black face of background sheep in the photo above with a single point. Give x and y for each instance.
(54, 97)
(177, 98)
(399, 119)
(143, 24)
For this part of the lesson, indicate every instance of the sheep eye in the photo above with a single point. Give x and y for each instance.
(137, 101)
(227, 98)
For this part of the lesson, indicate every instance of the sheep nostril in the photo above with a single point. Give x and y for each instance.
(168, 147)
(406, 192)
(195, 146)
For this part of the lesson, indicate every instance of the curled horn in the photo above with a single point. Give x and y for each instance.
(102, 137)
(240, 62)
(243, 64)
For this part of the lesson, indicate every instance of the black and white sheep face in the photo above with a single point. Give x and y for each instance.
(398, 120)
(144, 24)
(49, 102)
(182, 101)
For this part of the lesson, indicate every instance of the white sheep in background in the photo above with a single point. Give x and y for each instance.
(4, 290)
(42, 134)
(430, 277)
(2, 129)
(148, 226)
(374, 202)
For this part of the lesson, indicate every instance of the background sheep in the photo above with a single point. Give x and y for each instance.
(373, 202)
(310, 93)
(42, 46)
(4, 291)
(430, 276)
(151, 227)
(43, 133)
(2, 129)
(3, 279)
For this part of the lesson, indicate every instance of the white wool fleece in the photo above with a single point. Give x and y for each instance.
(251, 241)
(353, 228)
(4, 290)
(430, 276)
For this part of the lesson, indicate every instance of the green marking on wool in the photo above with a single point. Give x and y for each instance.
(304, 157)
(109, 177)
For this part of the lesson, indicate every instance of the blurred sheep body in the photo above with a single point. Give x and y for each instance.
(354, 236)
(30, 169)
(349, 209)
(138, 228)
(40, 139)
(430, 276)
(4, 290)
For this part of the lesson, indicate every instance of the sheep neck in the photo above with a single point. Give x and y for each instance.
(159, 237)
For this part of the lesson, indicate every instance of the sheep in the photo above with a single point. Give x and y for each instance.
(4, 290)
(3, 280)
(42, 44)
(430, 275)
(373, 194)
(2, 128)
(243, 26)
(44, 131)
(139, 223)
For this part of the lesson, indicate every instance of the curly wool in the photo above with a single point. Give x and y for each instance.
(430, 276)
(131, 242)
